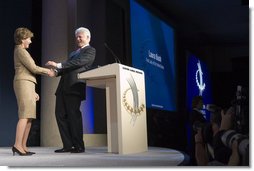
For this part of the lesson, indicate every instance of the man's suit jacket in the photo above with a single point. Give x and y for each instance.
(78, 62)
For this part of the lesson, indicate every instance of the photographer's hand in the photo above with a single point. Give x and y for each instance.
(200, 152)
(226, 119)
(234, 159)
(198, 137)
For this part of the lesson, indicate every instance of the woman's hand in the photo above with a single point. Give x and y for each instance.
(37, 97)
(51, 73)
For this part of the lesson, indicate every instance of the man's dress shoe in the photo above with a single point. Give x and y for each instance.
(63, 150)
(78, 150)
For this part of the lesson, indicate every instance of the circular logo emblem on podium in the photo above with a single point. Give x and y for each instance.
(131, 100)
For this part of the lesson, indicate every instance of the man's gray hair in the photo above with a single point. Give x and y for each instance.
(83, 30)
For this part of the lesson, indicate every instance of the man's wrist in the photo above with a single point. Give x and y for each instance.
(56, 72)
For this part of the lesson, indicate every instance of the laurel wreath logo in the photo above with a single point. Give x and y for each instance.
(135, 109)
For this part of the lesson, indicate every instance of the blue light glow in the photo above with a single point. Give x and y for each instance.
(198, 82)
(87, 109)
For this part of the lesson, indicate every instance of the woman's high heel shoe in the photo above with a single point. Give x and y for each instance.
(15, 150)
(30, 152)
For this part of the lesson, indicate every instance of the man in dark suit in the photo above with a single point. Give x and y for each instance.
(71, 91)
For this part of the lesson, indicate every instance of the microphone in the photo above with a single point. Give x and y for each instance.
(112, 53)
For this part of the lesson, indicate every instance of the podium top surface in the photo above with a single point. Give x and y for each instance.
(107, 71)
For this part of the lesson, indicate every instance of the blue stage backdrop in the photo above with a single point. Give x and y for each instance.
(153, 51)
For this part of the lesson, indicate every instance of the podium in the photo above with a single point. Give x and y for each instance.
(125, 105)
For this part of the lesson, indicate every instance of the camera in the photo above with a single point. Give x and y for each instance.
(240, 107)
(213, 108)
(238, 129)
(230, 136)
(240, 104)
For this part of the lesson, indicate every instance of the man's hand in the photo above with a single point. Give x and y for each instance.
(51, 64)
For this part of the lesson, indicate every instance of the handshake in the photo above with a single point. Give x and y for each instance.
(52, 66)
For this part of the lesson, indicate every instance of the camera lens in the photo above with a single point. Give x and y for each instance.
(228, 138)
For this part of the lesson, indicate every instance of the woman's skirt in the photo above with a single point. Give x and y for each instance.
(25, 95)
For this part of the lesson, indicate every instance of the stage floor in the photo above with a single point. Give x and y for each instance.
(93, 157)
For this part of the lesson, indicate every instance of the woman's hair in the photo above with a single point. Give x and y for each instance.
(21, 34)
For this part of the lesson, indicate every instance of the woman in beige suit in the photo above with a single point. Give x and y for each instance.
(24, 87)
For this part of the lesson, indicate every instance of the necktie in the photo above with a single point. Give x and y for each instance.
(74, 53)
